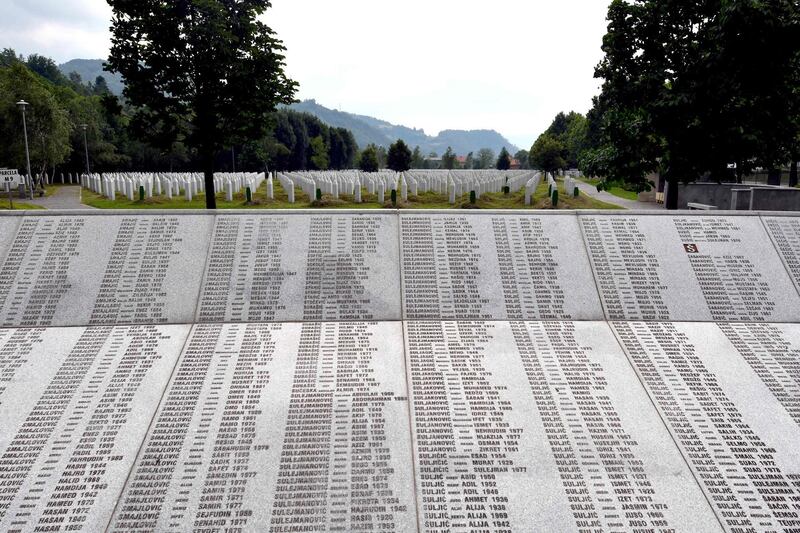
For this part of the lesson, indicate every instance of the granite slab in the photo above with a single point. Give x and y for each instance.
(688, 268)
(496, 267)
(785, 235)
(265, 268)
(75, 404)
(278, 427)
(8, 229)
(729, 395)
(72, 270)
(540, 426)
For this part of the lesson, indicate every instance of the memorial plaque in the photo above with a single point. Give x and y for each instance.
(8, 228)
(280, 428)
(87, 270)
(689, 268)
(265, 268)
(496, 267)
(540, 426)
(75, 404)
(785, 234)
(728, 394)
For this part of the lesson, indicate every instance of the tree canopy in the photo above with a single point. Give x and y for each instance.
(504, 160)
(691, 88)
(368, 161)
(208, 72)
(399, 157)
(547, 153)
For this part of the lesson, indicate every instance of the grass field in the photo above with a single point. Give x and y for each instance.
(423, 201)
(616, 191)
(18, 206)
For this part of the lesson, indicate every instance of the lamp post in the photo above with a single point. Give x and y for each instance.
(22, 105)
(84, 127)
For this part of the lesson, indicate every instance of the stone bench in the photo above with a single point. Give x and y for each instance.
(701, 207)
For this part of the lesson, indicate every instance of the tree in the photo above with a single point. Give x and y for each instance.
(46, 68)
(399, 157)
(547, 154)
(369, 159)
(684, 93)
(469, 161)
(48, 123)
(449, 159)
(486, 158)
(319, 153)
(383, 155)
(208, 70)
(522, 157)
(417, 159)
(504, 161)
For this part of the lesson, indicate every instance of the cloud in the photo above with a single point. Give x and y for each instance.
(508, 65)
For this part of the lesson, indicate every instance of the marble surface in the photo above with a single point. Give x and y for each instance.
(729, 395)
(320, 375)
(99, 270)
(75, 405)
(264, 268)
(785, 235)
(688, 268)
(531, 426)
(275, 427)
(492, 267)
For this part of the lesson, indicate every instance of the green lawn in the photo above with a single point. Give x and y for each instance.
(369, 201)
(18, 206)
(616, 191)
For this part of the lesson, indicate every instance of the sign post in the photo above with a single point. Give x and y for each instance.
(9, 178)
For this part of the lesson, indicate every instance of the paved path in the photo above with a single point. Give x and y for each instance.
(65, 197)
(609, 198)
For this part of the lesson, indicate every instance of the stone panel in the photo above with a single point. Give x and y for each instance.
(265, 268)
(785, 234)
(729, 395)
(86, 270)
(496, 267)
(540, 426)
(279, 427)
(688, 268)
(75, 404)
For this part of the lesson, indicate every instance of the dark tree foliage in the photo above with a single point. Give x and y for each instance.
(547, 154)
(369, 159)
(449, 159)
(205, 70)
(399, 157)
(504, 160)
(693, 87)
(522, 157)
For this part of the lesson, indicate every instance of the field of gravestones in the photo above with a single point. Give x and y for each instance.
(345, 190)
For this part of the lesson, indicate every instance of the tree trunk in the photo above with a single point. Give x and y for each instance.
(774, 176)
(671, 200)
(793, 174)
(208, 171)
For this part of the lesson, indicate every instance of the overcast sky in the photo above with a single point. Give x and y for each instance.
(508, 65)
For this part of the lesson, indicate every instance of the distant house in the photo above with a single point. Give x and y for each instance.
(461, 161)
(515, 164)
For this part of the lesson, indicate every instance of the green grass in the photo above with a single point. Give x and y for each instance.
(426, 200)
(18, 206)
(616, 191)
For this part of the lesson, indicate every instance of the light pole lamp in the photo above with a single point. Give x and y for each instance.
(84, 127)
(22, 105)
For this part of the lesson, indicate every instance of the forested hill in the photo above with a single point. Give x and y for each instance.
(365, 129)
(89, 69)
(371, 130)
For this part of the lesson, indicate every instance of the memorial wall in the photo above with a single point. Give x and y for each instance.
(399, 371)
